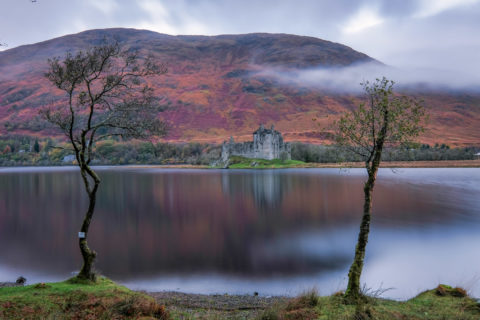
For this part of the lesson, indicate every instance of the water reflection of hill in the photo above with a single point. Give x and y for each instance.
(234, 222)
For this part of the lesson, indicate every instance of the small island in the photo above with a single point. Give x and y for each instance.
(267, 144)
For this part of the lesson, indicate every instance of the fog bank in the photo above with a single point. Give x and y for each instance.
(348, 79)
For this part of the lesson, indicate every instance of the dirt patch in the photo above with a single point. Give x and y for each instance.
(216, 306)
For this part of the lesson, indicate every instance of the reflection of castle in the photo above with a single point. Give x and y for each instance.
(266, 187)
(266, 144)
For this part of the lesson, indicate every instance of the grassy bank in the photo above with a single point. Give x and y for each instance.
(107, 300)
(237, 162)
(247, 163)
(72, 300)
(442, 303)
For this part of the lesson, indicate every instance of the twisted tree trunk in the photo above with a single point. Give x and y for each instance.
(88, 255)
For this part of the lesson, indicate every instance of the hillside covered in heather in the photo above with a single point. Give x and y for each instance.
(222, 86)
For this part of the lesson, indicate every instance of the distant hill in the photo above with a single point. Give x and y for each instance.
(216, 86)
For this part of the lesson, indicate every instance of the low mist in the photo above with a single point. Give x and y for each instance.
(348, 79)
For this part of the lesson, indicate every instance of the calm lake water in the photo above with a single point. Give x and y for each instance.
(278, 232)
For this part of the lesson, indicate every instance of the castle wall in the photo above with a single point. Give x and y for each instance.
(245, 149)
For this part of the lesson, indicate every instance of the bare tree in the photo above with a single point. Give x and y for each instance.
(385, 119)
(107, 95)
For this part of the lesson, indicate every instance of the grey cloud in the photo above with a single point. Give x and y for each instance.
(447, 40)
(27, 22)
(398, 9)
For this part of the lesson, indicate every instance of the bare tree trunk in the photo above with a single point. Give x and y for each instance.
(88, 255)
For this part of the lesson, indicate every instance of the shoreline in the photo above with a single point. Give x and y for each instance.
(107, 299)
(340, 165)
(384, 164)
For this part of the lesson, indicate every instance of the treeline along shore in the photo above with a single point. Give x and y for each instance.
(18, 150)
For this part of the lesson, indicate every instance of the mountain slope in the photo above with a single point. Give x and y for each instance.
(220, 86)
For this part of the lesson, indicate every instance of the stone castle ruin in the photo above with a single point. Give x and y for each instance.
(267, 144)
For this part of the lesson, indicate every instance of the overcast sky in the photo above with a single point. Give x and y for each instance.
(436, 34)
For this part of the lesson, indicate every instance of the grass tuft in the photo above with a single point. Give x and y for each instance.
(444, 290)
(299, 308)
(41, 286)
(270, 314)
(308, 299)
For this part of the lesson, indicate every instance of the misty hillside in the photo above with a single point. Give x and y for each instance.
(218, 86)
